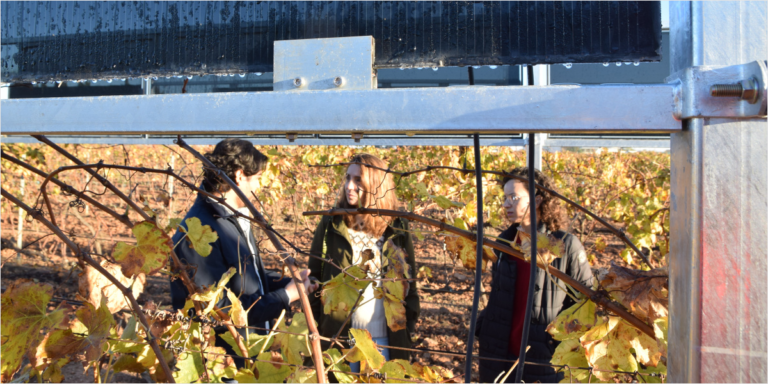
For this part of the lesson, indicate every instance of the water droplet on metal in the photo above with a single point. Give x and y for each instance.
(493, 66)
(190, 77)
(259, 73)
(567, 65)
(109, 81)
(154, 77)
(34, 82)
(636, 63)
(434, 69)
(606, 64)
(242, 75)
(94, 81)
(476, 66)
(618, 63)
(231, 75)
(419, 68)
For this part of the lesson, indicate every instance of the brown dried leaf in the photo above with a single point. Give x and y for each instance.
(644, 293)
(93, 285)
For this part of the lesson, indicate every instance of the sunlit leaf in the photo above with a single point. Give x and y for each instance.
(334, 359)
(660, 328)
(303, 375)
(365, 351)
(149, 255)
(271, 368)
(571, 353)
(66, 342)
(200, 236)
(212, 295)
(292, 345)
(644, 293)
(254, 343)
(92, 285)
(341, 292)
(24, 315)
(573, 322)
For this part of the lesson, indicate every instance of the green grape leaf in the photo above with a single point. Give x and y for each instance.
(149, 255)
(271, 369)
(341, 292)
(254, 342)
(23, 315)
(335, 360)
(573, 322)
(365, 351)
(421, 189)
(397, 369)
(445, 203)
(660, 328)
(217, 365)
(200, 236)
(292, 346)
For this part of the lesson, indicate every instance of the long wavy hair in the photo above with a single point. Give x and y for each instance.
(378, 192)
(551, 211)
(231, 155)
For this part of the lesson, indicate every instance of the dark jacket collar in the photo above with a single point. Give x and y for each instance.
(217, 209)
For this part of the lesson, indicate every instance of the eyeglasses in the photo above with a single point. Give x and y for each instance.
(512, 198)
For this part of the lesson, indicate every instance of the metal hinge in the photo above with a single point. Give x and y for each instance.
(732, 91)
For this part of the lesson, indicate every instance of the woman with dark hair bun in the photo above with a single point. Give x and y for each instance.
(500, 324)
(264, 292)
(358, 239)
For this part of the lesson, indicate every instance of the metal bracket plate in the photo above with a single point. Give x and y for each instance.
(693, 86)
(343, 63)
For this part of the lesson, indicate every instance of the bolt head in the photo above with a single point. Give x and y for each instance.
(338, 81)
(297, 82)
(751, 90)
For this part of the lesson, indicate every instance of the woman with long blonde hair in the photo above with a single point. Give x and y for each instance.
(358, 239)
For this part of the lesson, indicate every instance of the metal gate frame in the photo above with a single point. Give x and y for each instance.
(719, 171)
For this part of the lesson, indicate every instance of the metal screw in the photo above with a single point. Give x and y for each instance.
(297, 82)
(748, 90)
(339, 81)
(357, 137)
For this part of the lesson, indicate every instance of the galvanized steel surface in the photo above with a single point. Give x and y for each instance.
(46, 41)
(719, 209)
(492, 110)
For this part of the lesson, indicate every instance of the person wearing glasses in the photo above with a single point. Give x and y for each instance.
(500, 324)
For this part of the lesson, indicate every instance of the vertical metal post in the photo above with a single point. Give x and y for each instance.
(534, 253)
(718, 220)
(538, 74)
(170, 188)
(478, 261)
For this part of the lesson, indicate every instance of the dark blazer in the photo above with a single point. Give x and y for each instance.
(230, 250)
(495, 321)
(336, 246)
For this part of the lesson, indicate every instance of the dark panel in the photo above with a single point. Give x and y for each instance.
(44, 41)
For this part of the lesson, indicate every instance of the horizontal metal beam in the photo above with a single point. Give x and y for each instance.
(196, 140)
(453, 110)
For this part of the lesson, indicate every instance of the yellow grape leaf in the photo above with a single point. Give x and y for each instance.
(128, 363)
(571, 353)
(431, 374)
(424, 272)
(659, 369)
(217, 365)
(340, 293)
(271, 369)
(53, 373)
(421, 189)
(445, 203)
(253, 343)
(365, 351)
(89, 334)
(245, 375)
(573, 322)
(646, 349)
(200, 236)
(600, 244)
(394, 310)
(397, 257)
(548, 248)
(466, 250)
(92, 285)
(397, 369)
(212, 295)
(600, 330)
(237, 313)
(292, 346)
(323, 189)
(149, 255)
(644, 293)
(335, 360)
(173, 224)
(660, 328)
(23, 315)
(611, 353)
(303, 375)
